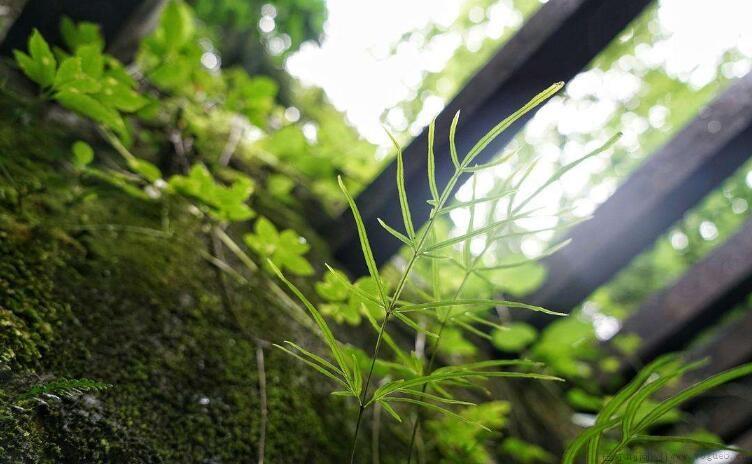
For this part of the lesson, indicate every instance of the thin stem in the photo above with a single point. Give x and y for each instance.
(262, 394)
(397, 292)
(363, 395)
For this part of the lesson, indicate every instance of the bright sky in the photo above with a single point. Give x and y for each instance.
(354, 64)
(355, 68)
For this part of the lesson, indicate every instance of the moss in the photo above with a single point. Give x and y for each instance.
(145, 313)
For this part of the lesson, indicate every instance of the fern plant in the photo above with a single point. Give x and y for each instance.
(626, 412)
(423, 244)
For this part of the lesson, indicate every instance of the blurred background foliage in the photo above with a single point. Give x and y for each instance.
(229, 83)
(634, 86)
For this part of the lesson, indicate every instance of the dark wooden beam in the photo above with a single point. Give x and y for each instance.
(123, 22)
(656, 195)
(668, 320)
(553, 45)
(744, 442)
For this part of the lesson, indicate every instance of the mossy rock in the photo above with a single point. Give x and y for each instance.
(92, 287)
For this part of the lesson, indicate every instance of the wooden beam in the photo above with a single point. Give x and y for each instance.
(744, 442)
(670, 318)
(553, 45)
(656, 195)
(123, 22)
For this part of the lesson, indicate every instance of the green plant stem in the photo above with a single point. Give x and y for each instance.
(395, 297)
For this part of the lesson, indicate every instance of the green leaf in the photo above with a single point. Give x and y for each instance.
(83, 154)
(92, 60)
(474, 302)
(388, 408)
(44, 58)
(452, 145)
(432, 162)
(145, 169)
(365, 245)
(504, 124)
(402, 193)
(395, 233)
(177, 24)
(332, 343)
(568, 167)
(624, 395)
(316, 366)
(91, 108)
(516, 338)
(482, 167)
(334, 287)
(84, 33)
(470, 203)
(71, 78)
(697, 389)
(713, 445)
(117, 94)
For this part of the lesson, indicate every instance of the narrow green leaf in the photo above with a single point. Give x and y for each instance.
(713, 445)
(558, 174)
(474, 233)
(402, 193)
(432, 162)
(315, 366)
(365, 245)
(624, 395)
(475, 301)
(329, 339)
(443, 411)
(469, 203)
(546, 253)
(504, 124)
(452, 144)
(697, 389)
(395, 233)
(481, 167)
(388, 408)
(574, 447)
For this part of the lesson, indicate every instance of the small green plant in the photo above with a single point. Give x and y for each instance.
(285, 249)
(423, 245)
(627, 410)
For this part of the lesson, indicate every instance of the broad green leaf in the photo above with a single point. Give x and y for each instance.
(44, 58)
(177, 24)
(516, 338)
(92, 60)
(83, 154)
(70, 77)
(117, 94)
(83, 33)
(334, 287)
(90, 107)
